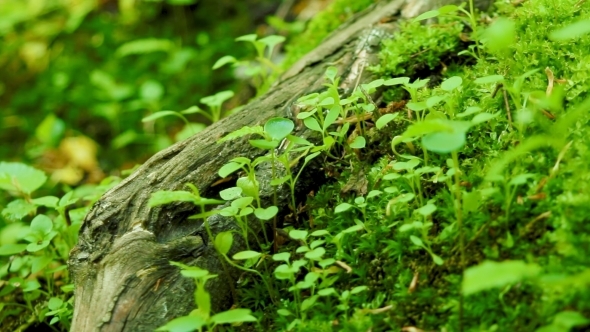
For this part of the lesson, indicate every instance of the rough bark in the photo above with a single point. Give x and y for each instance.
(120, 266)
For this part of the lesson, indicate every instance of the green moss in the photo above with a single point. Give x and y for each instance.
(321, 26)
(417, 47)
(533, 49)
(541, 221)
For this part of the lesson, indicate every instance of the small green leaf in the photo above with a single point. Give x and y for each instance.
(40, 262)
(417, 106)
(433, 101)
(247, 254)
(444, 142)
(151, 90)
(328, 101)
(416, 240)
(427, 15)
(47, 201)
(374, 193)
(391, 176)
(246, 211)
(20, 177)
(54, 303)
(421, 128)
(451, 83)
(312, 124)
(302, 249)
(342, 207)
(375, 84)
(263, 144)
(521, 179)
(419, 83)
(12, 249)
(284, 312)
(571, 31)
(565, 321)
(316, 254)
(359, 142)
(143, 46)
(184, 324)
(331, 116)
(248, 38)
(41, 224)
(283, 256)
(500, 35)
(437, 260)
(167, 197)
(246, 130)
(327, 291)
(331, 73)
(427, 209)
(242, 202)
(36, 246)
(224, 60)
(483, 117)
(233, 316)
(385, 119)
(305, 115)
(496, 274)
(266, 214)
(448, 9)
(249, 186)
(67, 199)
(229, 168)
(404, 198)
(298, 234)
(311, 156)
(230, 193)
(31, 285)
(320, 232)
(223, 242)
(192, 110)
(278, 128)
(217, 99)
(298, 140)
(358, 289)
(353, 229)
(309, 302)
(489, 79)
(272, 40)
(469, 111)
(315, 243)
(18, 209)
(397, 81)
(160, 114)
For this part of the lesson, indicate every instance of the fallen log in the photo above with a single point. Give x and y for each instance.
(120, 266)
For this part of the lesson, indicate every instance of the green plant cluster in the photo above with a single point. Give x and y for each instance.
(476, 220)
(34, 281)
(96, 68)
(82, 85)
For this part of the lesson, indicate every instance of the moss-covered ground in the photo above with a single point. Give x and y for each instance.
(499, 243)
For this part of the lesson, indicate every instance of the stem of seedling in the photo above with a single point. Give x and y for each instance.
(459, 216)
(270, 290)
(275, 245)
(211, 239)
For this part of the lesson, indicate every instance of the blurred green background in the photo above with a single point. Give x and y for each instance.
(77, 76)
(83, 84)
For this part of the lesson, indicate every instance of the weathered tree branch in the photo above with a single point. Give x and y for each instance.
(120, 266)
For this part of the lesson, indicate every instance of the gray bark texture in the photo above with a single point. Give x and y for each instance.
(120, 266)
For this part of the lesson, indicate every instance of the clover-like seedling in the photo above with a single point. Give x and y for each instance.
(215, 101)
(41, 233)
